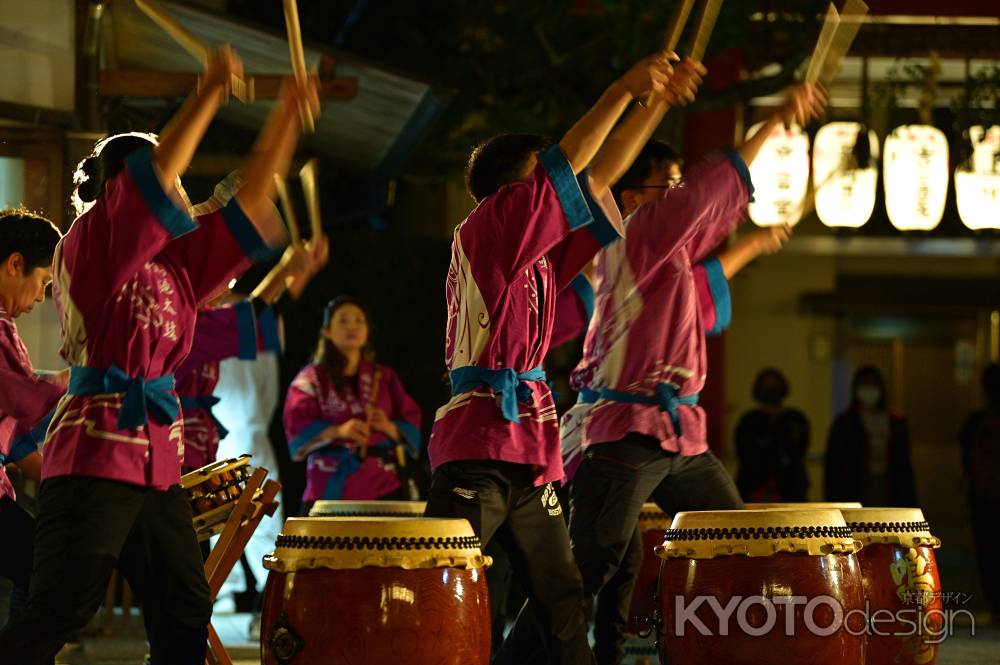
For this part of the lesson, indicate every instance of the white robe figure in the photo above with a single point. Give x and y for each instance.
(248, 397)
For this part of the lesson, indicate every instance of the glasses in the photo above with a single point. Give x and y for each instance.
(673, 183)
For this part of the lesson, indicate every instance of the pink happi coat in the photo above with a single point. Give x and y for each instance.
(130, 276)
(334, 470)
(232, 331)
(26, 398)
(510, 257)
(653, 311)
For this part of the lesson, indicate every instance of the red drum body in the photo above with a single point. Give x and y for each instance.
(653, 523)
(354, 591)
(902, 584)
(759, 588)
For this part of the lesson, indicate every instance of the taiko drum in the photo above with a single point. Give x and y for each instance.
(364, 590)
(902, 585)
(759, 587)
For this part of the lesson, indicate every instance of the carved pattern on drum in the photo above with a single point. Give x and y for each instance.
(899, 578)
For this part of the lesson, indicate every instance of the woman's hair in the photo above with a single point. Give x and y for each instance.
(105, 162)
(500, 161)
(769, 377)
(868, 374)
(28, 234)
(328, 356)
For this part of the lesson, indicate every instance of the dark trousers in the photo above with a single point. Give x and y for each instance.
(86, 527)
(606, 495)
(18, 531)
(499, 499)
(698, 482)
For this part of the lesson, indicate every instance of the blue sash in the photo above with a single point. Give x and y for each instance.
(189, 402)
(666, 398)
(511, 386)
(142, 396)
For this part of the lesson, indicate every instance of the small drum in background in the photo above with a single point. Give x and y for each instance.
(351, 590)
(760, 587)
(802, 506)
(901, 580)
(328, 508)
(653, 523)
(213, 491)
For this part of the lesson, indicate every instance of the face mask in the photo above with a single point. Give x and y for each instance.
(772, 396)
(869, 395)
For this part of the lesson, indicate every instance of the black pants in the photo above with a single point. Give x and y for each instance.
(86, 527)
(18, 529)
(606, 496)
(499, 499)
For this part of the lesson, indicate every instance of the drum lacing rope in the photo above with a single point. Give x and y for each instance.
(756, 533)
(377, 543)
(881, 527)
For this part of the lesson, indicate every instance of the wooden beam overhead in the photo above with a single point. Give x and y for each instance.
(142, 83)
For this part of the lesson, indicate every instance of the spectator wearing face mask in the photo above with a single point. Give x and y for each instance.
(868, 453)
(771, 442)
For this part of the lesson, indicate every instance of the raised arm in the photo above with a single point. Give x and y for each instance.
(586, 137)
(180, 138)
(272, 154)
(627, 140)
(805, 102)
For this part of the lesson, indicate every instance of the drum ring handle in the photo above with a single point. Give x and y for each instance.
(284, 642)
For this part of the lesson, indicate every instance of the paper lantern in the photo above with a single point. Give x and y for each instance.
(780, 176)
(977, 185)
(845, 194)
(916, 177)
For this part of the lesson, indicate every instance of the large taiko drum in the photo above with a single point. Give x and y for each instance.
(353, 590)
(901, 583)
(367, 509)
(653, 523)
(759, 587)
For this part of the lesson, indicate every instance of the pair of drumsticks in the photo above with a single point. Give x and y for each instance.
(242, 90)
(835, 39)
(372, 400)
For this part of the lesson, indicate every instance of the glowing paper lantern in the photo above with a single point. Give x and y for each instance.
(916, 177)
(977, 187)
(780, 176)
(845, 194)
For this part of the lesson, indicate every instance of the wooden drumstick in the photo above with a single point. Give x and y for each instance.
(372, 399)
(673, 34)
(851, 18)
(298, 59)
(240, 89)
(308, 176)
(287, 209)
(706, 24)
(826, 35)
